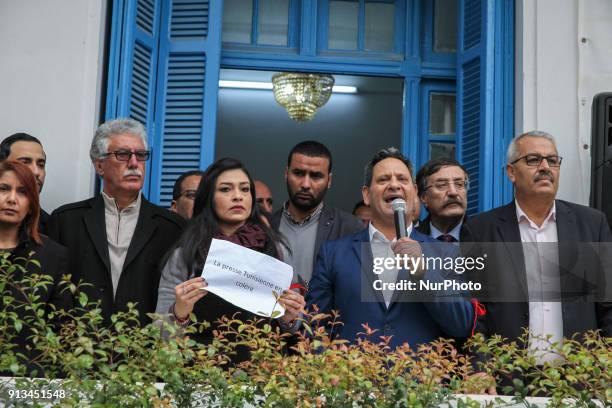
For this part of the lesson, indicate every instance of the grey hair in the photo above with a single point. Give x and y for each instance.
(513, 150)
(101, 140)
(389, 152)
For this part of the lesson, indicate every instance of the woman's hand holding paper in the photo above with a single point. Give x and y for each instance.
(187, 294)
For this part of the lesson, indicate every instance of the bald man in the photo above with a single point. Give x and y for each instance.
(264, 197)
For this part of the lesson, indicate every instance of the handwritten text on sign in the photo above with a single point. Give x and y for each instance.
(246, 278)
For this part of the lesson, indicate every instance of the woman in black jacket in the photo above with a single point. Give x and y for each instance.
(224, 208)
(31, 268)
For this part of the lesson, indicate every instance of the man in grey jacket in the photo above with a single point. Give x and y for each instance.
(304, 221)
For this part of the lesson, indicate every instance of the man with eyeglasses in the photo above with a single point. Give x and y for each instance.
(443, 185)
(539, 273)
(117, 240)
(184, 192)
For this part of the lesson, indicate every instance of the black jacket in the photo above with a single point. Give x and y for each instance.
(81, 228)
(53, 261)
(505, 269)
(43, 219)
(424, 226)
(333, 224)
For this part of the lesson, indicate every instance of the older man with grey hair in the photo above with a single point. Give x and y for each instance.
(546, 279)
(117, 240)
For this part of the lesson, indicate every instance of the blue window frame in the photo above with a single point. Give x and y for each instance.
(438, 128)
(257, 19)
(163, 71)
(485, 108)
(132, 73)
(329, 11)
(433, 55)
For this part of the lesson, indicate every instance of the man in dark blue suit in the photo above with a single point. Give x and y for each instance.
(345, 278)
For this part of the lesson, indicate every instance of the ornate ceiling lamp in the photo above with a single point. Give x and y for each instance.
(302, 94)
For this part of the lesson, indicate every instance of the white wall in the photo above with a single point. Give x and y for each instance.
(564, 58)
(50, 75)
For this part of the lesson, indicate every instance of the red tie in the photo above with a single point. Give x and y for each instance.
(446, 238)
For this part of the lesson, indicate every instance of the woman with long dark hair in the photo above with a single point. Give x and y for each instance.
(25, 254)
(224, 208)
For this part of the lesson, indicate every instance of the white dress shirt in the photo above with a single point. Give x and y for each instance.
(542, 268)
(120, 227)
(382, 249)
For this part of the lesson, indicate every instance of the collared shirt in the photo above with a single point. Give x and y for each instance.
(381, 248)
(301, 237)
(120, 227)
(455, 232)
(315, 214)
(542, 268)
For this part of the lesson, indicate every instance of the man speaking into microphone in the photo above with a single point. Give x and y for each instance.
(343, 278)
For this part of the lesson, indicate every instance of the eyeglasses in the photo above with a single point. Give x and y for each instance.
(126, 155)
(188, 194)
(444, 185)
(534, 160)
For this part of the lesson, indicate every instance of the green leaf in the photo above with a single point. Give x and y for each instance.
(83, 299)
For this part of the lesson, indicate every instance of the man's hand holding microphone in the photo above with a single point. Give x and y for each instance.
(404, 245)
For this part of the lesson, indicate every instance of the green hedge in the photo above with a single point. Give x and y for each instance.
(122, 365)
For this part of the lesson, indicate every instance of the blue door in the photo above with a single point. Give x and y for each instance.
(166, 56)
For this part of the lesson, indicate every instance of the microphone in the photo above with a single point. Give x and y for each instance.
(399, 215)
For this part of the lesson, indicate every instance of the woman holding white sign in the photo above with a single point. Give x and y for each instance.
(223, 209)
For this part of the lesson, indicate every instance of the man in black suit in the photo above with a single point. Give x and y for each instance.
(539, 272)
(118, 239)
(304, 220)
(28, 150)
(443, 185)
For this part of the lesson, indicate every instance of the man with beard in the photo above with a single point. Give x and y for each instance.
(28, 150)
(116, 241)
(540, 276)
(304, 221)
(443, 185)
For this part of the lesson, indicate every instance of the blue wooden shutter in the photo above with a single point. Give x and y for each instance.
(133, 63)
(485, 98)
(188, 76)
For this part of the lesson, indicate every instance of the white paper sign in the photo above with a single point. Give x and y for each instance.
(246, 278)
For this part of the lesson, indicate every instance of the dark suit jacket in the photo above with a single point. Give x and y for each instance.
(43, 219)
(81, 228)
(341, 280)
(424, 226)
(333, 224)
(575, 224)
